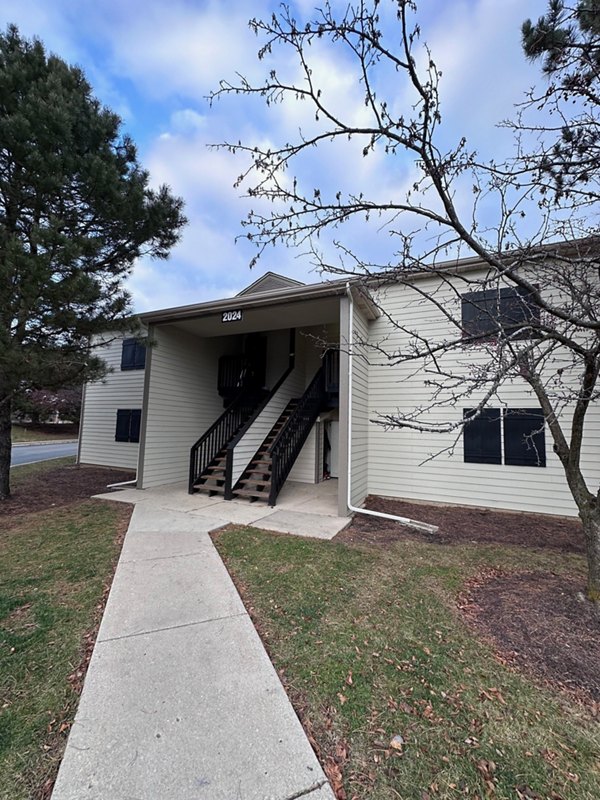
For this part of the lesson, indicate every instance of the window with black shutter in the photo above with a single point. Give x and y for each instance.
(516, 432)
(482, 437)
(524, 437)
(128, 425)
(133, 355)
(510, 309)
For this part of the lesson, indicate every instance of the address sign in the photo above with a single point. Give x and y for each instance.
(234, 315)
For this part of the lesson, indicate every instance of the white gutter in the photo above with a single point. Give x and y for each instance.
(423, 526)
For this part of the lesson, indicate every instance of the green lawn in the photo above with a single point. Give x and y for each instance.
(44, 434)
(370, 645)
(54, 566)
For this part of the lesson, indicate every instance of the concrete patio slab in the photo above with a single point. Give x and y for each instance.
(180, 500)
(301, 523)
(236, 512)
(222, 730)
(318, 498)
(122, 496)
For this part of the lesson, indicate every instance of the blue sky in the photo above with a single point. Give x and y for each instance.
(154, 62)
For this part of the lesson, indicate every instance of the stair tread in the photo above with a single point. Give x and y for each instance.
(250, 493)
(209, 488)
(256, 480)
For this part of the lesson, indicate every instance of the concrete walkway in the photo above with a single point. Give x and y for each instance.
(181, 701)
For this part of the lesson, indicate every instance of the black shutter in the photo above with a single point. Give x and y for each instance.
(518, 312)
(482, 437)
(128, 354)
(480, 313)
(123, 424)
(140, 356)
(134, 426)
(524, 437)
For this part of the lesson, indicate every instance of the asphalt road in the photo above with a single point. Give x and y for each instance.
(41, 452)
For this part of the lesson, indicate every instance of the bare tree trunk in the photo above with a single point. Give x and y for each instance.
(5, 446)
(591, 532)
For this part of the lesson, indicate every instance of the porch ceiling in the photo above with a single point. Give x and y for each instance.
(285, 315)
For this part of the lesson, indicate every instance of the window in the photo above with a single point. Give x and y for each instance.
(133, 355)
(524, 438)
(128, 425)
(516, 432)
(510, 309)
(482, 437)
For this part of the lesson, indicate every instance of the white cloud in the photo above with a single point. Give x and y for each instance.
(154, 62)
(179, 48)
(188, 121)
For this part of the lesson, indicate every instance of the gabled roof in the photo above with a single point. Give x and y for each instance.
(298, 292)
(270, 282)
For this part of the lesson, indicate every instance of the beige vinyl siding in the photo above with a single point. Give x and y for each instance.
(400, 461)
(310, 344)
(102, 400)
(278, 355)
(360, 410)
(305, 466)
(245, 449)
(182, 400)
(308, 361)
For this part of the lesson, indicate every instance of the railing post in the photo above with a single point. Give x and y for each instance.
(227, 491)
(192, 475)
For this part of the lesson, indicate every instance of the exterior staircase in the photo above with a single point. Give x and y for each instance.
(212, 456)
(208, 455)
(255, 483)
(212, 480)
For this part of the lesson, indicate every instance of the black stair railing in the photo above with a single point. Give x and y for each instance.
(220, 432)
(228, 491)
(285, 449)
(232, 374)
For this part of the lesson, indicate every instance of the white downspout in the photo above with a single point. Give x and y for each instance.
(123, 483)
(402, 520)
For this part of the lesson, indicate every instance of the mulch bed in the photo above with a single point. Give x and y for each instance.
(460, 525)
(538, 621)
(60, 487)
(534, 621)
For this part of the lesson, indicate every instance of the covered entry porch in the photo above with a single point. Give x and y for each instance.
(223, 382)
